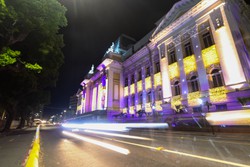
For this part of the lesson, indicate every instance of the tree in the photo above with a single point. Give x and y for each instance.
(30, 54)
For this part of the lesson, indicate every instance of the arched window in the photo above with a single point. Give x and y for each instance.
(217, 79)
(149, 96)
(159, 94)
(140, 98)
(177, 90)
(132, 100)
(126, 101)
(194, 84)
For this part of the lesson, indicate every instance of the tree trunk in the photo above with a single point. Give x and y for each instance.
(9, 120)
(22, 123)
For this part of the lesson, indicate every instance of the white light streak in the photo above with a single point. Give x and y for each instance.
(117, 135)
(114, 126)
(99, 143)
(238, 117)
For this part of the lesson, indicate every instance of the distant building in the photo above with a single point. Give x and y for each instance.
(197, 57)
(73, 103)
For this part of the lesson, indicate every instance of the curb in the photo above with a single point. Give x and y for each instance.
(32, 160)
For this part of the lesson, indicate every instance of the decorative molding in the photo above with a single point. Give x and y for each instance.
(161, 32)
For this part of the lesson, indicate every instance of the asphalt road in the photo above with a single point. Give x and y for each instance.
(153, 148)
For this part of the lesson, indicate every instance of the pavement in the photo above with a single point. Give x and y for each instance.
(15, 145)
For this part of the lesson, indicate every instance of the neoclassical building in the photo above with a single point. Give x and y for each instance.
(196, 59)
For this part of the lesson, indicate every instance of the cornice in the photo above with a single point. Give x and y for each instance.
(185, 18)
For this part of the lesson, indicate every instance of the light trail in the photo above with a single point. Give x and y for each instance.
(181, 153)
(117, 135)
(114, 126)
(237, 117)
(96, 126)
(99, 143)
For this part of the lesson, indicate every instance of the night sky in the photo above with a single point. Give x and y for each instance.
(92, 27)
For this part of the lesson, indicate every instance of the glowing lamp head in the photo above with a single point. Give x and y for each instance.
(200, 101)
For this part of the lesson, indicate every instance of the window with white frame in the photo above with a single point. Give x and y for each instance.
(177, 90)
(159, 94)
(194, 87)
(157, 67)
(171, 54)
(188, 49)
(217, 79)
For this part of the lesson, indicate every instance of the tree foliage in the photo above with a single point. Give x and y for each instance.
(30, 53)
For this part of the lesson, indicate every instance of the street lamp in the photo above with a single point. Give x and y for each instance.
(200, 101)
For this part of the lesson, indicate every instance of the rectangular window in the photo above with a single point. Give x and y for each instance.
(140, 98)
(171, 53)
(147, 72)
(159, 94)
(157, 67)
(148, 97)
(132, 79)
(172, 57)
(207, 39)
(188, 49)
(139, 76)
(162, 51)
(126, 101)
(126, 82)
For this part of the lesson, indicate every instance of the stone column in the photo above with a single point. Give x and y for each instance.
(202, 75)
(229, 59)
(179, 57)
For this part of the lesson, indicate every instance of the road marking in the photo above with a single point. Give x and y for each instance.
(160, 148)
(203, 140)
(181, 153)
(11, 140)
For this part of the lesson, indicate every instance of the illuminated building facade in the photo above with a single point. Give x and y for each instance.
(196, 59)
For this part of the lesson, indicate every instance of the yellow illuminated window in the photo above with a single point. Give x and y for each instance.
(157, 79)
(132, 89)
(158, 105)
(148, 83)
(193, 98)
(175, 101)
(126, 91)
(173, 70)
(210, 56)
(131, 109)
(139, 86)
(148, 107)
(189, 64)
(218, 94)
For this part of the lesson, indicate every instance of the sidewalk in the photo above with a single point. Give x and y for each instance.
(15, 145)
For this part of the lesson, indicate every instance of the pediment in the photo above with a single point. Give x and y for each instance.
(175, 12)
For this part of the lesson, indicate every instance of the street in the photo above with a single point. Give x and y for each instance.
(143, 147)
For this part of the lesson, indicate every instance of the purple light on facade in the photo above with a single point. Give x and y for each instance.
(83, 91)
(104, 80)
(103, 76)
